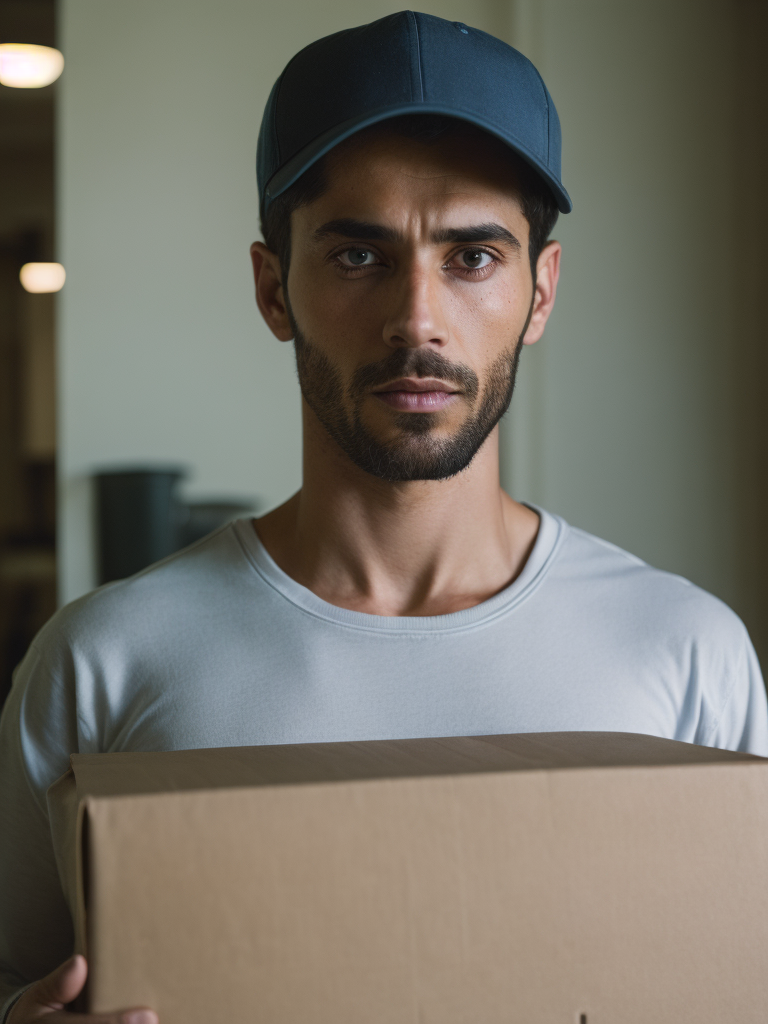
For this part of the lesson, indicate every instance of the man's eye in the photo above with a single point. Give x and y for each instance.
(475, 259)
(357, 257)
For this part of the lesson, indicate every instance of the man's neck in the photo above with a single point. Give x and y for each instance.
(415, 548)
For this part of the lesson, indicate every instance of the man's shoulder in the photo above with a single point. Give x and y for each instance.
(177, 589)
(624, 581)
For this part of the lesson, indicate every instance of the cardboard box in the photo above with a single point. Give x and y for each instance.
(582, 878)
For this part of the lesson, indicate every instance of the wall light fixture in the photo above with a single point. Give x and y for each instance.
(28, 66)
(42, 277)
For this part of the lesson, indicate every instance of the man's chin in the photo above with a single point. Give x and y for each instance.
(398, 427)
(411, 456)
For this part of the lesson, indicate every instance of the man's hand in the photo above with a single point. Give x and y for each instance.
(45, 1001)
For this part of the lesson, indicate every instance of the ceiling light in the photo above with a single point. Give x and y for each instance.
(27, 66)
(42, 277)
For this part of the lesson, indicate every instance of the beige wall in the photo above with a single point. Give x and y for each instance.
(623, 419)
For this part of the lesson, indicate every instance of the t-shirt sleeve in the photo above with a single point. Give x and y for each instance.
(743, 722)
(38, 731)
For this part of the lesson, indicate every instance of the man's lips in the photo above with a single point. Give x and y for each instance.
(417, 394)
(417, 384)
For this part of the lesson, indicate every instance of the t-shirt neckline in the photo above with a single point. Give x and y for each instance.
(546, 545)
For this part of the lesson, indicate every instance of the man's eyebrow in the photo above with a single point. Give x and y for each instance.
(348, 228)
(476, 233)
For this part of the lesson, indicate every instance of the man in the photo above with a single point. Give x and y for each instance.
(409, 179)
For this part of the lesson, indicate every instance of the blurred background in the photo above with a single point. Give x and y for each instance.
(641, 416)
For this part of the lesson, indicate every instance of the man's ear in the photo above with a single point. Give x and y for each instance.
(270, 297)
(547, 274)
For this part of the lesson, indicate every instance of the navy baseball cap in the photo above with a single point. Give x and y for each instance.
(406, 63)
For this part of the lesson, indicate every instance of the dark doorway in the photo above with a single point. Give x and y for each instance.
(27, 325)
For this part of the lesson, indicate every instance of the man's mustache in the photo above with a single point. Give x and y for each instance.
(409, 362)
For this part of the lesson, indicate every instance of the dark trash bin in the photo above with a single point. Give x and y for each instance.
(141, 518)
(138, 519)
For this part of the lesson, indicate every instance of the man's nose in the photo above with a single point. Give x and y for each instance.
(417, 317)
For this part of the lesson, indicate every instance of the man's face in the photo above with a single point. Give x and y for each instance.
(409, 291)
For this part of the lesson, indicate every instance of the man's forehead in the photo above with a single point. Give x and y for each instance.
(399, 182)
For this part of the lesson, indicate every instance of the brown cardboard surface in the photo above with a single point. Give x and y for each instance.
(494, 879)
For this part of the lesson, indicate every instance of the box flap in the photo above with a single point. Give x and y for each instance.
(65, 813)
(232, 767)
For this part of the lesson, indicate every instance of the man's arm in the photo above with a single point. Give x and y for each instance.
(38, 731)
(743, 721)
(35, 924)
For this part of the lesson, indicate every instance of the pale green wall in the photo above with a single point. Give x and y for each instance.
(623, 419)
(619, 422)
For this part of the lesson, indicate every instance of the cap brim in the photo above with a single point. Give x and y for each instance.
(311, 153)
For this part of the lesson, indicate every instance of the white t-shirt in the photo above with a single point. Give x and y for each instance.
(216, 646)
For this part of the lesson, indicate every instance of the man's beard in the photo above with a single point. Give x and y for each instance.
(416, 454)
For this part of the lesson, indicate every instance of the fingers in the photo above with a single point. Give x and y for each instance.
(137, 1016)
(44, 1001)
(60, 986)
